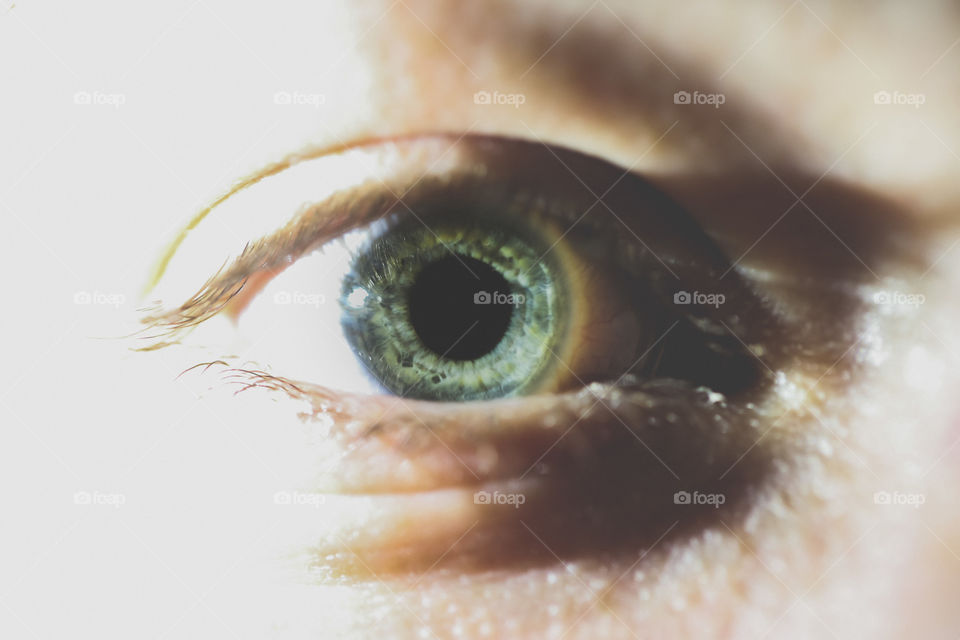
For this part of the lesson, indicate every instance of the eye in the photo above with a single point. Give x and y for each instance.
(501, 276)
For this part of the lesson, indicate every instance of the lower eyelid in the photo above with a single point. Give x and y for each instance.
(373, 444)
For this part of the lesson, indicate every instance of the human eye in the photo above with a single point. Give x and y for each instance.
(502, 276)
(483, 313)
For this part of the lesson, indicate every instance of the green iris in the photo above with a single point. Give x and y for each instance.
(462, 310)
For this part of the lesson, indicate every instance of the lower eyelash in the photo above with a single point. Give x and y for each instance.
(457, 443)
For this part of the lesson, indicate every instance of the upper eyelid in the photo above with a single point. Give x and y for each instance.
(286, 242)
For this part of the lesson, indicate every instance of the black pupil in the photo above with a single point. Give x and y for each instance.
(457, 307)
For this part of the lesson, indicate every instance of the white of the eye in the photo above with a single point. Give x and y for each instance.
(293, 325)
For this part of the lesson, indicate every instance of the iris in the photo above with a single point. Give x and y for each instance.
(462, 309)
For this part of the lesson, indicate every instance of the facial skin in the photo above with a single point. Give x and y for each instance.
(839, 212)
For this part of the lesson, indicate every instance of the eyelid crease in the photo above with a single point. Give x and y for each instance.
(313, 151)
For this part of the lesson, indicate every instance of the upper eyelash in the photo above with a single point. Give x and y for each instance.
(166, 327)
(313, 226)
(308, 229)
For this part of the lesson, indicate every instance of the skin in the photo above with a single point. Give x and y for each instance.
(862, 405)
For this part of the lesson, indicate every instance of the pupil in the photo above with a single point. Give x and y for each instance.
(446, 300)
